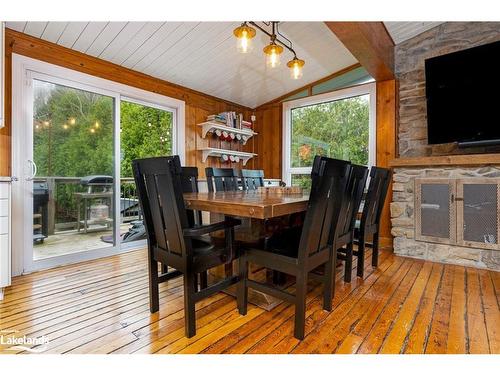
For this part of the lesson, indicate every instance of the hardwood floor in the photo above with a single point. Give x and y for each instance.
(404, 306)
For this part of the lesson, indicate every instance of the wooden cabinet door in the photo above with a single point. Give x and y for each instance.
(435, 219)
(478, 216)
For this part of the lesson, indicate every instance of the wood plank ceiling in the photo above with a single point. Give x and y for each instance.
(201, 55)
(401, 31)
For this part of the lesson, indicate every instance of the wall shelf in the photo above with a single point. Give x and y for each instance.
(211, 127)
(217, 152)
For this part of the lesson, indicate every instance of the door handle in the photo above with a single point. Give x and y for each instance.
(34, 170)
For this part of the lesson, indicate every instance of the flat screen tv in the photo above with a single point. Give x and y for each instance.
(463, 97)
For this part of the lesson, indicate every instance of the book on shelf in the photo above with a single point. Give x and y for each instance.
(231, 119)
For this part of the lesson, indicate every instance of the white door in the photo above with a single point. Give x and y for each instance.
(67, 175)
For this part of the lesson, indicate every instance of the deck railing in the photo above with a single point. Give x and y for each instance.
(62, 204)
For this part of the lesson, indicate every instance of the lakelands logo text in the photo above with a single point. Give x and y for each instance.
(24, 343)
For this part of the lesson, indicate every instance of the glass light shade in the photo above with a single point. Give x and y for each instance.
(273, 52)
(244, 35)
(296, 66)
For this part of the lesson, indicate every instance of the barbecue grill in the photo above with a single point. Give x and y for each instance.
(40, 210)
(97, 202)
(97, 183)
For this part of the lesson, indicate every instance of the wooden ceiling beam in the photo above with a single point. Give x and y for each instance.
(370, 43)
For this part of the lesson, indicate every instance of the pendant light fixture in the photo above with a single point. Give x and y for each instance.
(295, 66)
(244, 35)
(273, 50)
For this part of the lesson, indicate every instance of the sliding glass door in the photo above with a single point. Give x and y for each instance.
(73, 170)
(74, 196)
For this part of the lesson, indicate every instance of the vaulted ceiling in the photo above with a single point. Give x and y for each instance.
(203, 56)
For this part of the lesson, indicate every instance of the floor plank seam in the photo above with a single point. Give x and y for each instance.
(466, 312)
(428, 329)
(484, 312)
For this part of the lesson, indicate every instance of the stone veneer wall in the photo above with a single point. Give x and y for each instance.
(403, 219)
(409, 66)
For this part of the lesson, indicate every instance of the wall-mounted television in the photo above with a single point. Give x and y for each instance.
(463, 97)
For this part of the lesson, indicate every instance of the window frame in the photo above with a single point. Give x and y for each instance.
(346, 93)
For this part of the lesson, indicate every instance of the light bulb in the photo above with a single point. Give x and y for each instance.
(72, 121)
(273, 59)
(244, 35)
(65, 126)
(92, 130)
(97, 124)
(273, 52)
(295, 66)
(244, 43)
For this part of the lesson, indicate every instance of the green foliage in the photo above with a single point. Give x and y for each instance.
(146, 132)
(73, 132)
(73, 137)
(336, 129)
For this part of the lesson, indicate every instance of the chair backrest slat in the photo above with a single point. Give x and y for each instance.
(159, 187)
(251, 179)
(380, 179)
(352, 201)
(156, 214)
(329, 182)
(221, 179)
(189, 182)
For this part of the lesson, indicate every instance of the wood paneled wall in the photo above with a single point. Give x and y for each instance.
(269, 142)
(198, 105)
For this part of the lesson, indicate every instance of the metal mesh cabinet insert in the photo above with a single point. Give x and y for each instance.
(435, 219)
(478, 212)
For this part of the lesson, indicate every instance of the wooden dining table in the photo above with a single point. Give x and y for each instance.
(255, 208)
(249, 203)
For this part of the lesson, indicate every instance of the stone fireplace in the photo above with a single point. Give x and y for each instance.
(417, 160)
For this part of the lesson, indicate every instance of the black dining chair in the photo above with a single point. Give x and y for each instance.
(172, 240)
(344, 236)
(369, 225)
(251, 179)
(221, 179)
(298, 252)
(189, 183)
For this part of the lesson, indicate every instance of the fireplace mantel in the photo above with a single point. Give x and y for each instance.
(448, 160)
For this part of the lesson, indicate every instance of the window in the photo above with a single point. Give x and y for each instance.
(339, 124)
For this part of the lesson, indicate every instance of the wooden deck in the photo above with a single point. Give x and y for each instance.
(404, 306)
